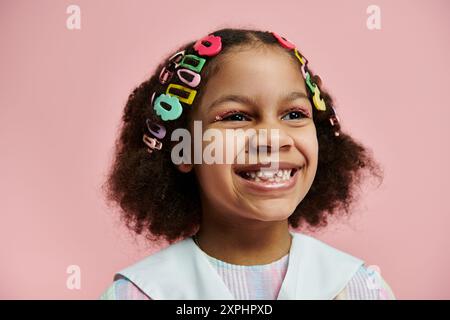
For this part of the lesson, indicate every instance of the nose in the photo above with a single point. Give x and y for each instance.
(269, 139)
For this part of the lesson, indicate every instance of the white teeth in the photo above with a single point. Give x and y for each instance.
(270, 176)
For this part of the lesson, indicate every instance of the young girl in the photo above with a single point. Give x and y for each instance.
(235, 221)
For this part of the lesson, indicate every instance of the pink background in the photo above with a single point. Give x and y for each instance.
(63, 91)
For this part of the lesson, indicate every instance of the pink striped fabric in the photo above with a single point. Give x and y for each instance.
(257, 282)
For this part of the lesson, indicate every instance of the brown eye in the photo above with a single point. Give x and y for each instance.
(294, 115)
(236, 117)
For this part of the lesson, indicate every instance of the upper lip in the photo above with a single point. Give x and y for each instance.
(255, 167)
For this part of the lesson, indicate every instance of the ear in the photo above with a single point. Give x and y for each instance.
(185, 168)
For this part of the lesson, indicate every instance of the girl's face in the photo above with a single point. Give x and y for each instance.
(269, 93)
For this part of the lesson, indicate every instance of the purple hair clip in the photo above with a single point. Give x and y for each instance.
(157, 130)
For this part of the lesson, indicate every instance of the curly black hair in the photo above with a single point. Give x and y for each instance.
(160, 202)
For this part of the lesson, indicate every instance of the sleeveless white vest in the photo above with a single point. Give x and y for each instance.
(181, 271)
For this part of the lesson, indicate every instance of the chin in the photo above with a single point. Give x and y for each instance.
(273, 209)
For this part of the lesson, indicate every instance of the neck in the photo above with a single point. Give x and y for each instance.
(244, 241)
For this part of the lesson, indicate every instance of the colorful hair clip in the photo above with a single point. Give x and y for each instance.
(334, 118)
(311, 85)
(177, 57)
(210, 45)
(191, 93)
(284, 42)
(168, 70)
(198, 62)
(319, 103)
(158, 131)
(189, 77)
(165, 75)
(302, 59)
(153, 98)
(175, 107)
(152, 143)
(304, 72)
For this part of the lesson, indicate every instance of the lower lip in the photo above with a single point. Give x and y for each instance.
(270, 186)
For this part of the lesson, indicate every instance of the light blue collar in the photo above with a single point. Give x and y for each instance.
(181, 271)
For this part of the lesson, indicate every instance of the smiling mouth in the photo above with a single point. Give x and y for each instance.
(269, 177)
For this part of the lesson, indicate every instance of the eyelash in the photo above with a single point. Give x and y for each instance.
(305, 113)
(225, 115)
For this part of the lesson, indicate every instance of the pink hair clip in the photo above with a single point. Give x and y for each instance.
(209, 45)
(189, 77)
(177, 57)
(283, 41)
(168, 70)
(335, 121)
(152, 143)
(166, 74)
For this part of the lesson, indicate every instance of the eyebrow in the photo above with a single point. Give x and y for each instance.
(250, 101)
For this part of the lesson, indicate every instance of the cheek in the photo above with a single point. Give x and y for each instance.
(313, 150)
(213, 177)
(311, 147)
(307, 144)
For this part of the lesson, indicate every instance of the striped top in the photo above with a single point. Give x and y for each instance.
(263, 282)
(257, 282)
